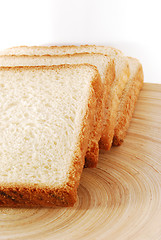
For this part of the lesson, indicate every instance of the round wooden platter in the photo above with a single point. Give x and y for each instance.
(120, 199)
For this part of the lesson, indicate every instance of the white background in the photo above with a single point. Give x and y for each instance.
(132, 26)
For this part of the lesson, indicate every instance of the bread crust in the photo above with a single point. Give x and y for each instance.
(101, 117)
(12, 195)
(55, 55)
(117, 51)
(91, 158)
(112, 107)
(129, 99)
(54, 67)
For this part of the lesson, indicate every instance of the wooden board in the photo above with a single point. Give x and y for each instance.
(121, 199)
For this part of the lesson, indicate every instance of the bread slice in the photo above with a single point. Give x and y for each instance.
(121, 77)
(128, 100)
(45, 122)
(106, 69)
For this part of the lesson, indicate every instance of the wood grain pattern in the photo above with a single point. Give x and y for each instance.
(120, 199)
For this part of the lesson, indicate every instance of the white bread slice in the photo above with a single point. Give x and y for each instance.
(121, 76)
(45, 122)
(106, 69)
(128, 100)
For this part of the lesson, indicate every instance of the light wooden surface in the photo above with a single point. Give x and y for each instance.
(121, 199)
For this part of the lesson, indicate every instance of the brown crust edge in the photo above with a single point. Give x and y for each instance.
(34, 196)
(128, 107)
(91, 158)
(55, 55)
(62, 46)
(93, 151)
(111, 116)
(54, 67)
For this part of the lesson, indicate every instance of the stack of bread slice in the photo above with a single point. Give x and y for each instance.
(59, 106)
